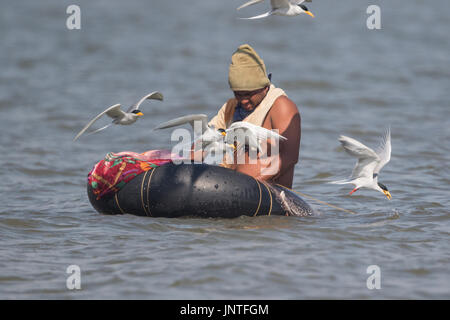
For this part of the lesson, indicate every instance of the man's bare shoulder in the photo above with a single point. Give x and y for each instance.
(284, 107)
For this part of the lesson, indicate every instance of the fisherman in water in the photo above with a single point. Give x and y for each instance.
(259, 102)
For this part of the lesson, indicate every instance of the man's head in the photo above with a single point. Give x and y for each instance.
(249, 100)
(247, 77)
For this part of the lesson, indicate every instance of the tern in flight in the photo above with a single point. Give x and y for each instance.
(367, 168)
(219, 138)
(120, 117)
(281, 8)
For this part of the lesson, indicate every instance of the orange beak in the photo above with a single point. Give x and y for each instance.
(387, 194)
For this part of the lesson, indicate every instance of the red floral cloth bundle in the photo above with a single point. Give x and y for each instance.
(112, 173)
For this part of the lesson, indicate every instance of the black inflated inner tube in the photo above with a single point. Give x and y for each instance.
(195, 190)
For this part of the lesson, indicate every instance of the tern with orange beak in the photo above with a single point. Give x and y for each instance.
(281, 8)
(365, 173)
(120, 117)
(203, 132)
(218, 138)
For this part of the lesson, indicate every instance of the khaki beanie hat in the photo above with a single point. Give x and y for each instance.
(247, 70)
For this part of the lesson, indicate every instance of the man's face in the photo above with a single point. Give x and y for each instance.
(249, 100)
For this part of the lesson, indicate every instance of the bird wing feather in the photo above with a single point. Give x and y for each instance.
(242, 135)
(277, 4)
(367, 158)
(364, 168)
(264, 15)
(113, 112)
(345, 181)
(155, 95)
(384, 151)
(249, 3)
(253, 135)
(100, 129)
(297, 2)
(186, 119)
(259, 132)
(356, 148)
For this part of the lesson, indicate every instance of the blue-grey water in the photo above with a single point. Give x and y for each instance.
(345, 79)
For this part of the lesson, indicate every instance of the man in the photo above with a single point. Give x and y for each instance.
(259, 102)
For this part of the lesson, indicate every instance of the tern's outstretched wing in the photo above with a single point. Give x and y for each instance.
(264, 15)
(155, 95)
(277, 4)
(249, 3)
(356, 148)
(384, 151)
(245, 133)
(186, 119)
(346, 181)
(367, 158)
(297, 2)
(113, 112)
(364, 168)
(100, 129)
(259, 132)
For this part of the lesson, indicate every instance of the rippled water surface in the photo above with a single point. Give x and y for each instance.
(344, 78)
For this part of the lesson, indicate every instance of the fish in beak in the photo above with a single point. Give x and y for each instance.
(387, 194)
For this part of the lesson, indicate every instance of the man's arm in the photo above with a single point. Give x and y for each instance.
(285, 117)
